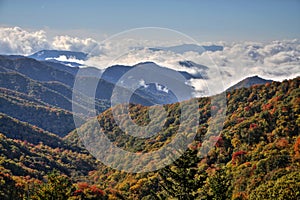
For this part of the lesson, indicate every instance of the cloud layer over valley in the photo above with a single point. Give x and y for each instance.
(275, 60)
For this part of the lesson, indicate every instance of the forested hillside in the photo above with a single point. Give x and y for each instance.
(23, 108)
(256, 155)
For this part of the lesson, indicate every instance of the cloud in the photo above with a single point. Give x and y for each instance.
(275, 60)
(68, 43)
(15, 40)
(161, 88)
(142, 83)
(64, 58)
(200, 86)
(18, 41)
(289, 57)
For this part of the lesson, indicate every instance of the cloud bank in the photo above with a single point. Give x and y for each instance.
(15, 40)
(276, 60)
(18, 41)
(68, 43)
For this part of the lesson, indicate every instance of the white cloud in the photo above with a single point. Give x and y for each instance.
(288, 57)
(64, 58)
(18, 41)
(68, 43)
(276, 60)
(142, 83)
(161, 88)
(200, 86)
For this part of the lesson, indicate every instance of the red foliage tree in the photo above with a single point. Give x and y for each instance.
(297, 147)
(237, 155)
(253, 126)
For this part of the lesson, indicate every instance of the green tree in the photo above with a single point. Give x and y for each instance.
(182, 179)
(220, 185)
(57, 187)
(285, 188)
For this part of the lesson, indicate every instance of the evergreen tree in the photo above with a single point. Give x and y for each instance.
(220, 185)
(57, 187)
(181, 180)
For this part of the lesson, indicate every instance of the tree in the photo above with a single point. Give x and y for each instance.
(86, 191)
(220, 185)
(8, 187)
(285, 188)
(182, 179)
(57, 187)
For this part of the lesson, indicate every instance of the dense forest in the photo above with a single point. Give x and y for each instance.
(256, 155)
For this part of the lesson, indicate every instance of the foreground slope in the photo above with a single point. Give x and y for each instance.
(258, 148)
(255, 156)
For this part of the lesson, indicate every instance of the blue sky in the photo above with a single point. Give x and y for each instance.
(204, 20)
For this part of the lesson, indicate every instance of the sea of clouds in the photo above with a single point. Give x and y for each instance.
(275, 60)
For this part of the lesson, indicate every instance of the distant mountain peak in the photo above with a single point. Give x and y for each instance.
(256, 78)
(202, 74)
(69, 58)
(249, 81)
(183, 48)
(48, 54)
(145, 63)
(188, 63)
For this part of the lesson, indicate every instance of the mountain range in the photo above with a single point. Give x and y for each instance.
(188, 47)
(35, 90)
(69, 58)
(259, 140)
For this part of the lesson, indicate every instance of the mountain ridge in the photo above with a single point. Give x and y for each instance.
(52, 54)
(248, 82)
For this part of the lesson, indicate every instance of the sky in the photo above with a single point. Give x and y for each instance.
(206, 20)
